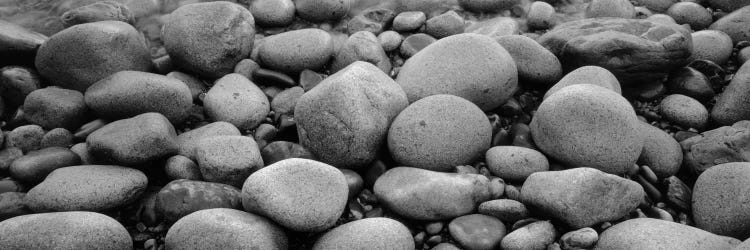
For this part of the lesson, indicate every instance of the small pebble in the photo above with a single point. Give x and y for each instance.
(507, 210)
(446, 24)
(690, 13)
(181, 167)
(434, 228)
(390, 40)
(712, 45)
(583, 238)
(536, 235)
(477, 231)
(684, 111)
(414, 43)
(409, 21)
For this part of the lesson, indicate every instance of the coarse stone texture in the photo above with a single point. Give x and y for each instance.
(64, 230)
(647, 233)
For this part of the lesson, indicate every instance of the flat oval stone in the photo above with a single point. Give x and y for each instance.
(584, 238)
(237, 100)
(444, 25)
(133, 141)
(535, 63)
(79, 56)
(734, 24)
(587, 75)
(188, 141)
(495, 27)
(712, 45)
(209, 38)
(33, 167)
(718, 200)
(361, 46)
(477, 231)
(378, 233)
(690, 13)
(228, 159)
(272, 12)
(182, 197)
(87, 188)
(322, 10)
(277, 190)
(661, 152)
(536, 235)
(428, 195)
(684, 111)
(470, 66)
(64, 230)
(55, 108)
(344, 120)
(646, 233)
(506, 210)
(730, 106)
(214, 225)
(294, 51)
(408, 21)
(129, 93)
(513, 163)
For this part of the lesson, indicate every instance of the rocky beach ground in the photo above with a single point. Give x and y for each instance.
(366, 124)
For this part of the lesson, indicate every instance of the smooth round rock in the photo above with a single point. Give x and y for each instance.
(718, 200)
(540, 15)
(535, 63)
(693, 14)
(133, 141)
(610, 8)
(294, 51)
(477, 231)
(209, 38)
(272, 12)
(415, 43)
(661, 152)
(408, 21)
(443, 25)
(712, 45)
(55, 108)
(735, 24)
(182, 167)
(684, 111)
(585, 125)
(33, 167)
(506, 210)
(237, 100)
(129, 93)
(322, 10)
(27, 137)
(495, 27)
(390, 40)
(471, 66)
(587, 75)
(648, 233)
(438, 133)
(370, 233)
(87, 188)
(277, 191)
(514, 163)
(536, 235)
(228, 159)
(188, 141)
(731, 105)
(344, 120)
(223, 228)
(183, 197)
(361, 46)
(584, 238)
(77, 57)
(64, 230)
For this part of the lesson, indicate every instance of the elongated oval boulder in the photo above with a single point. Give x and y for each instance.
(228, 159)
(370, 233)
(87, 188)
(297, 50)
(635, 50)
(237, 100)
(188, 141)
(133, 141)
(647, 233)
(33, 167)
(439, 133)
(585, 125)
(209, 38)
(128, 93)
(471, 66)
(77, 57)
(581, 197)
(344, 120)
(223, 228)
(182, 197)
(535, 63)
(719, 200)
(55, 108)
(64, 230)
(428, 195)
(731, 106)
(279, 190)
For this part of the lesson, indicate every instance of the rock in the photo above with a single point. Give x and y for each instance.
(55, 108)
(536, 235)
(79, 56)
(98, 11)
(408, 21)
(717, 146)
(33, 167)
(495, 27)
(182, 197)
(390, 40)
(322, 10)
(58, 137)
(718, 197)
(610, 8)
(506, 210)
(690, 13)
(660, 6)
(129, 93)
(661, 152)
(735, 24)
(7, 156)
(647, 233)
(277, 190)
(182, 167)
(294, 51)
(428, 195)
(690, 82)
(584, 238)
(635, 50)
(285, 101)
(12, 205)
(282, 150)
(87, 188)
(361, 46)
(209, 38)
(372, 19)
(188, 141)
(228, 159)
(535, 63)
(17, 82)
(581, 197)
(514, 163)
(272, 12)
(215, 225)
(425, 134)
(415, 43)
(730, 106)
(19, 45)
(477, 231)
(444, 25)
(133, 141)
(712, 45)
(487, 5)
(344, 120)
(728, 5)
(64, 230)
(684, 111)
(237, 100)
(27, 138)
(587, 75)
(378, 233)
(540, 15)
(470, 66)
(585, 125)
(195, 85)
